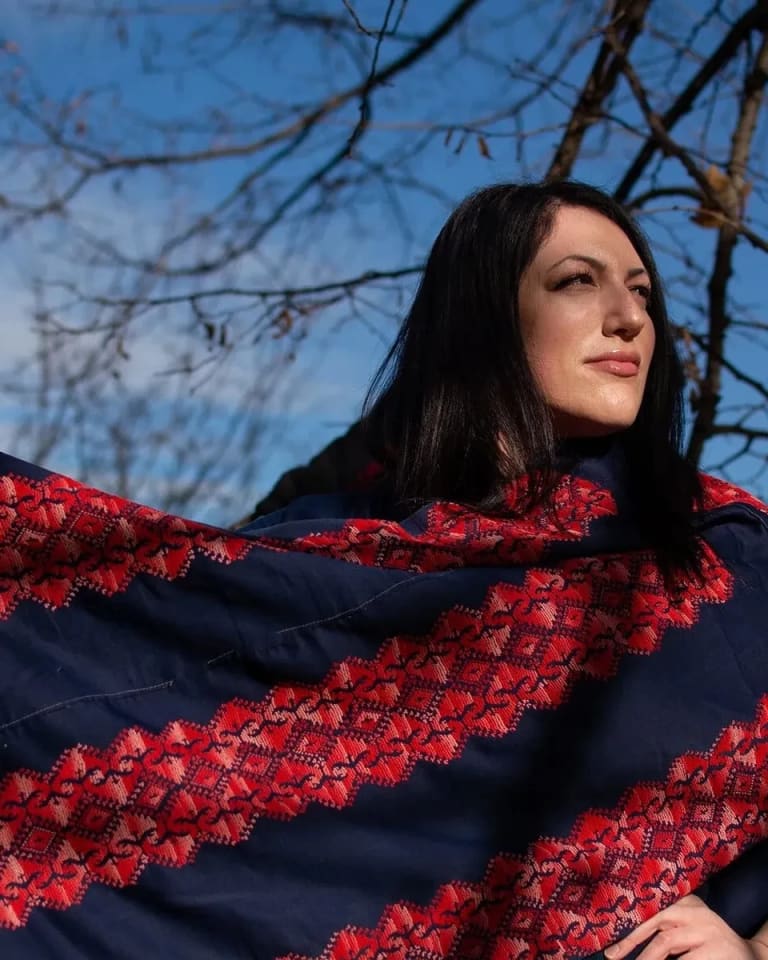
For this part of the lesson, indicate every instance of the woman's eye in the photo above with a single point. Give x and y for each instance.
(644, 291)
(575, 279)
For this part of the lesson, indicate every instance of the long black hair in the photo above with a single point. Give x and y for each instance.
(457, 378)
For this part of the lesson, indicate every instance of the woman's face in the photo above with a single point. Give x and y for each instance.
(585, 324)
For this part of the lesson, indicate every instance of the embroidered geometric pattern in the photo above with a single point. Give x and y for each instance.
(456, 536)
(720, 493)
(57, 536)
(573, 896)
(103, 815)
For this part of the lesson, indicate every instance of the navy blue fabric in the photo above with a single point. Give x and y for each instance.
(162, 650)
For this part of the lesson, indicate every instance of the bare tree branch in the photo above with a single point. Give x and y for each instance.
(730, 200)
(625, 26)
(755, 18)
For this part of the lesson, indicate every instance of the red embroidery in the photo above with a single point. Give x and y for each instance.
(458, 537)
(103, 815)
(573, 896)
(720, 493)
(58, 536)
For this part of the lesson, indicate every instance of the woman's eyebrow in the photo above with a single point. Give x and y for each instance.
(596, 264)
(636, 272)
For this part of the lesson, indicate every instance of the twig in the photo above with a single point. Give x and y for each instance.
(755, 18)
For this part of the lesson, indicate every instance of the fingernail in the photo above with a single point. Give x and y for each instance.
(611, 952)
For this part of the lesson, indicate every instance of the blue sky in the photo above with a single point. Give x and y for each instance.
(325, 386)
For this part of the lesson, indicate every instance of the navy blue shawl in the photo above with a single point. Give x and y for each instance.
(343, 734)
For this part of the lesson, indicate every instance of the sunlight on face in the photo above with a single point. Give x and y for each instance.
(587, 333)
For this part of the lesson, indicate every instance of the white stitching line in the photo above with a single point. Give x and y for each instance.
(221, 656)
(84, 699)
(344, 613)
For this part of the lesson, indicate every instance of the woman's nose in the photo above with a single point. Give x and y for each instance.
(625, 313)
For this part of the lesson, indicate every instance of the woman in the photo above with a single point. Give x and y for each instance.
(540, 319)
(509, 704)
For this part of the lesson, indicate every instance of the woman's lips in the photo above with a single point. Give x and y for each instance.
(618, 364)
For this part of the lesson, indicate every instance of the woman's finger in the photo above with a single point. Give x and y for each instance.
(673, 941)
(644, 931)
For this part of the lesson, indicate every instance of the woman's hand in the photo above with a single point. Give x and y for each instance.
(690, 929)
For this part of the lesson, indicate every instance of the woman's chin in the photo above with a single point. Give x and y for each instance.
(576, 427)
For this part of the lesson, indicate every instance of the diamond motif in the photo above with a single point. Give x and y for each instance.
(702, 813)
(204, 776)
(367, 721)
(619, 868)
(473, 671)
(743, 783)
(573, 895)
(255, 764)
(94, 818)
(419, 699)
(664, 841)
(314, 744)
(39, 841)
(151, 794)
(91, 526)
